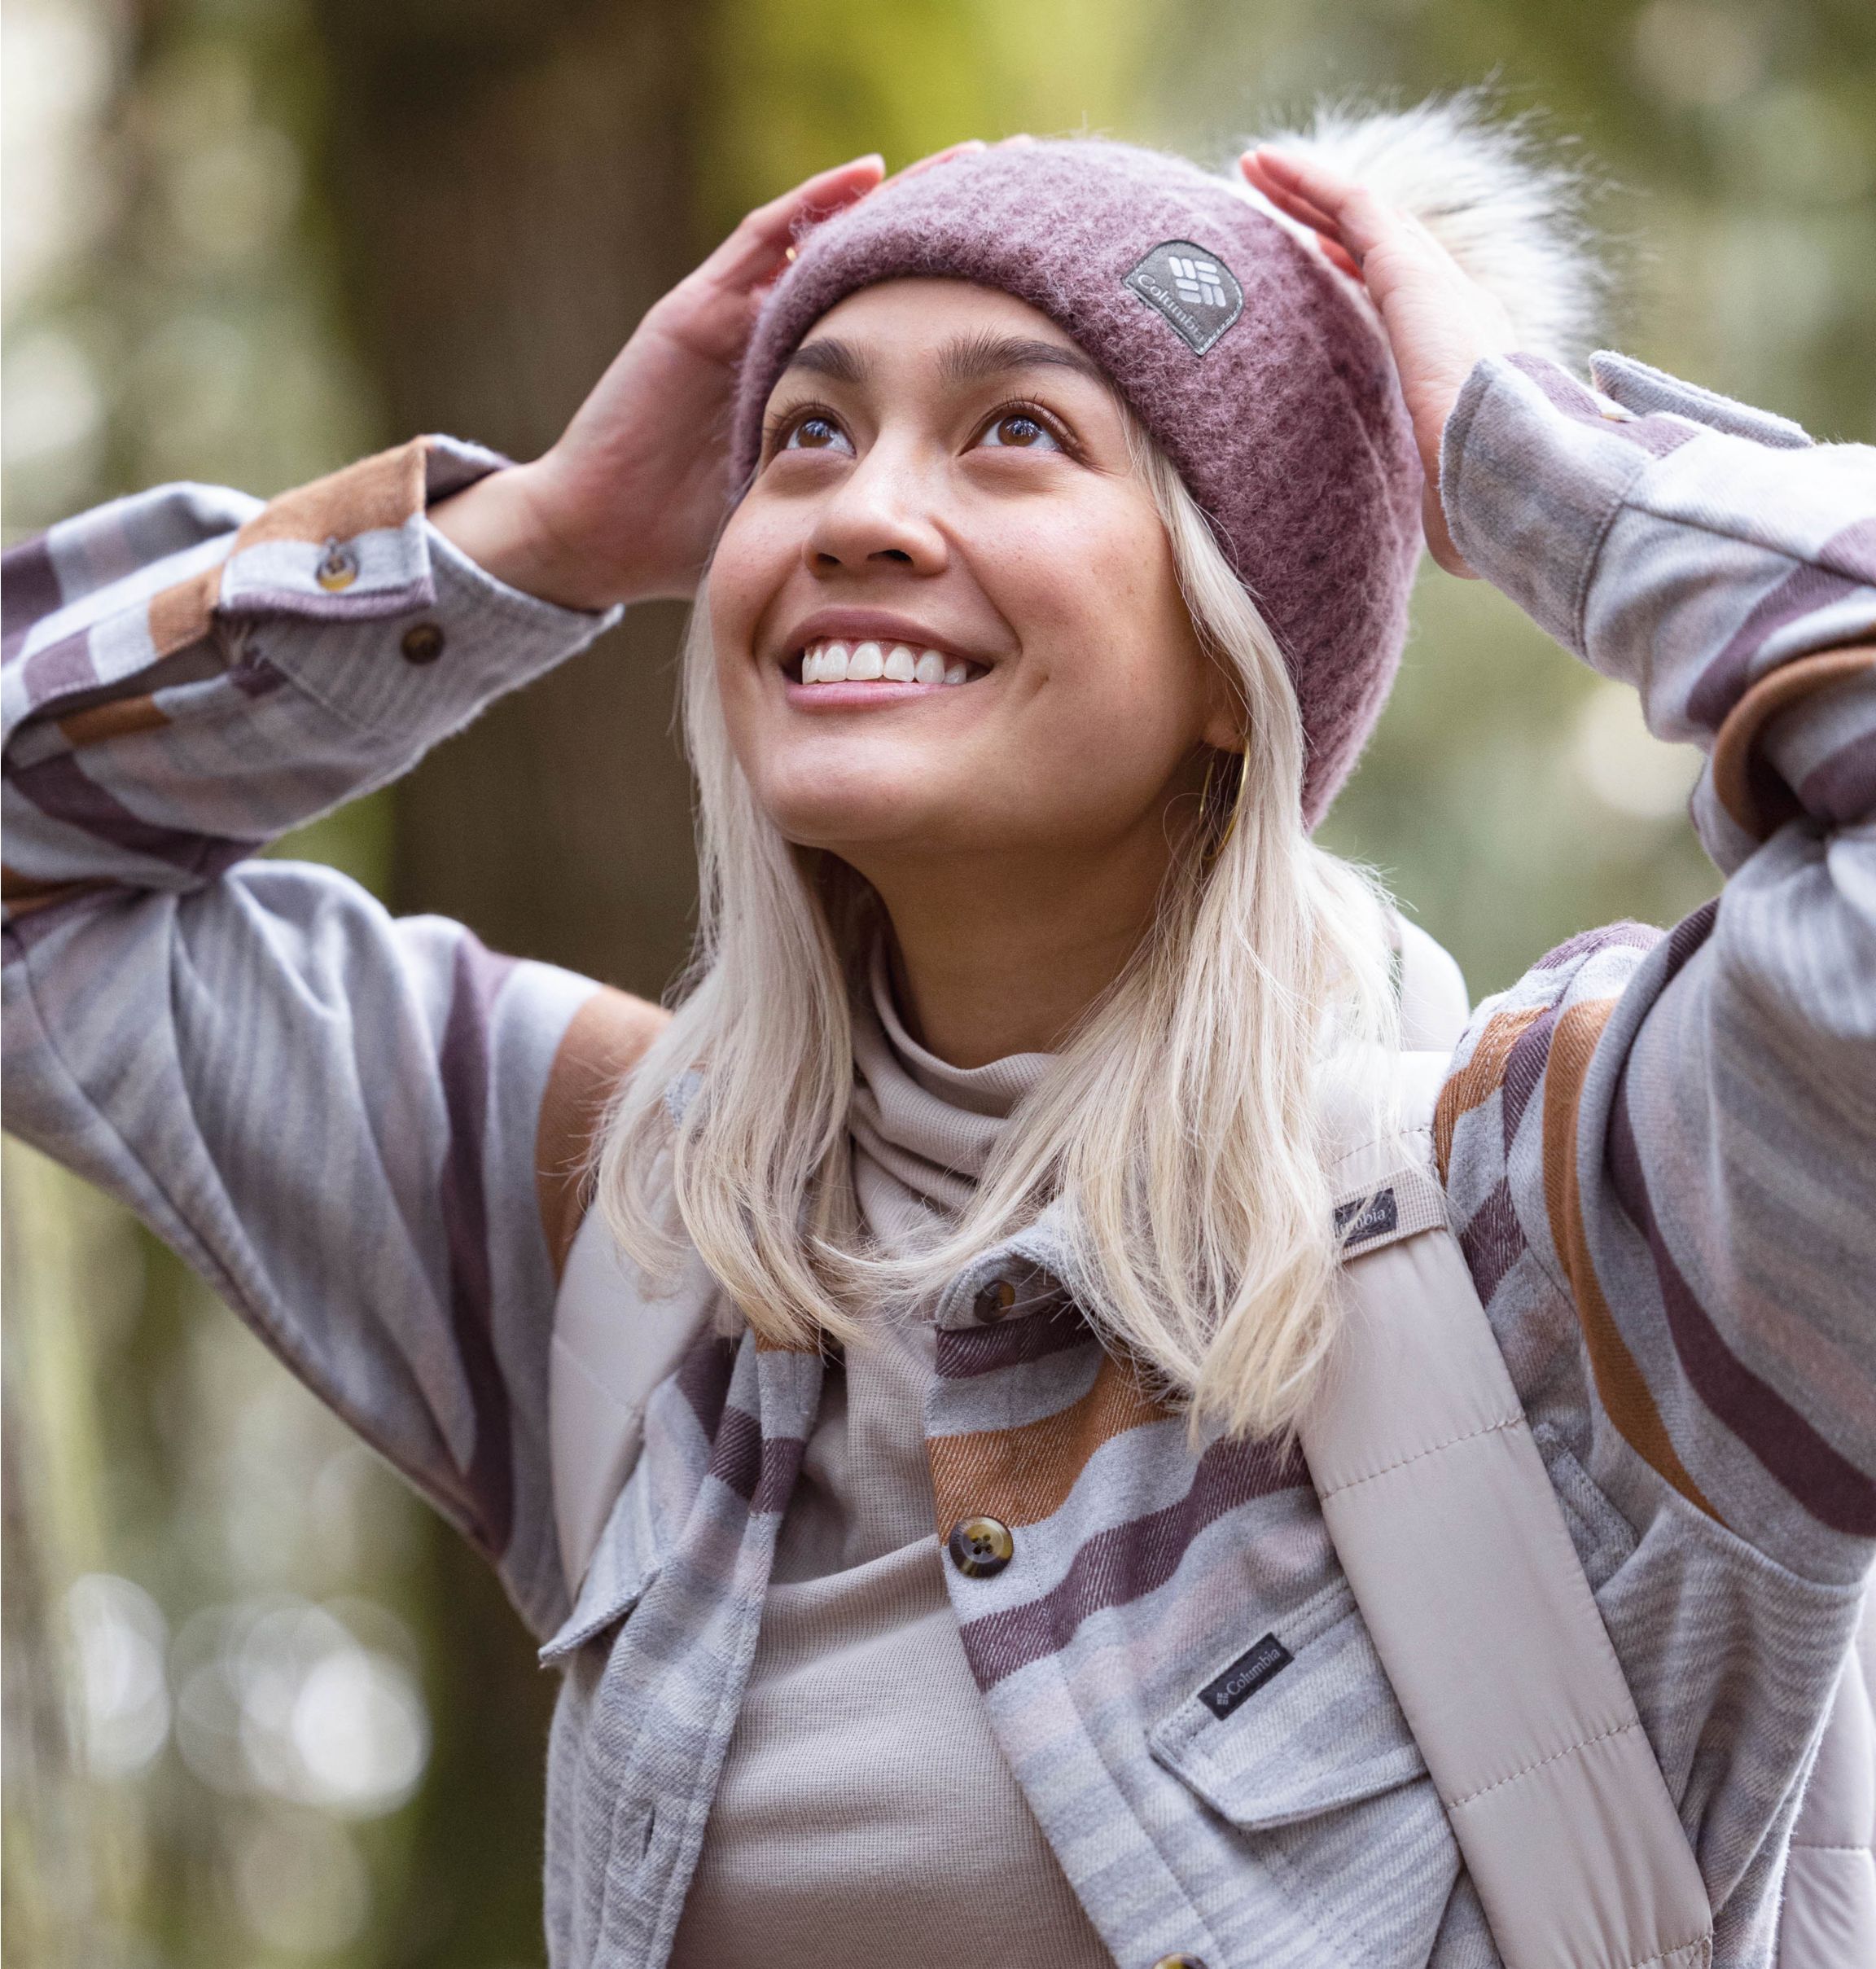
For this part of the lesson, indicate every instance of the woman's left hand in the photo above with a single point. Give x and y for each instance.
(1439, 320)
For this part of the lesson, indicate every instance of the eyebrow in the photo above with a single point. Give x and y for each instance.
(970, 359)
(975, 358)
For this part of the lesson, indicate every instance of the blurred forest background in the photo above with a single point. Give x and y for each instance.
(261, 1711)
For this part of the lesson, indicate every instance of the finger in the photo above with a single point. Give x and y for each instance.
(1356, 216)
(969, 147)
(1287, 200)
(753, 251)
(1304, 213)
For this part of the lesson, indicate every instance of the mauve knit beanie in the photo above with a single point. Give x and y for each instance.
(1259, 370)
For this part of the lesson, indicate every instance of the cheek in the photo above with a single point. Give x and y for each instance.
(1109, 650)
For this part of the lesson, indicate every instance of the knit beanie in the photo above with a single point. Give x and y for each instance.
(1260, 369)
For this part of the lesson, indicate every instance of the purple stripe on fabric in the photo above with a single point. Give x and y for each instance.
(1687, 936)
(1826, 1483)
(1801, 593)
(60, 667)
(28, 592)
(63, 790)
(255, 676)
(760, 1470)
(464, 1063)
(1524, 1066)
(965, 1352)
(1841, 790)
(1657, 435)
(1493, 1242)
(1127, 1562)
(1852, 551)
(313, 604)
(704, 1375)
(1586, 943)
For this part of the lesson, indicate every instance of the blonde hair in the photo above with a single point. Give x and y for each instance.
(1178, 1127)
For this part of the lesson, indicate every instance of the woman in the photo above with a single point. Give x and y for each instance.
(979, 1178)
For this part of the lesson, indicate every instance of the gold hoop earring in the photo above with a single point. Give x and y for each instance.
(1217, 847)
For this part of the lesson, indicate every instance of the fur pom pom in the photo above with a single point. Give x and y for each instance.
(1511, 216)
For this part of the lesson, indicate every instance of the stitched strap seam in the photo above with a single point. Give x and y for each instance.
(1489, 1428)
(1704, 1943)
(1570, 1750)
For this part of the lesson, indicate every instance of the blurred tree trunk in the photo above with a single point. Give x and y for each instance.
(511, 186)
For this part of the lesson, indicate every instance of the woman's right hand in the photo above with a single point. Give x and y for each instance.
(626, 505)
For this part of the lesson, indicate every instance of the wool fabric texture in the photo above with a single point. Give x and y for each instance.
(1289, 427)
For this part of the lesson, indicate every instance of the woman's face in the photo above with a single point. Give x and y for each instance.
(946, 488)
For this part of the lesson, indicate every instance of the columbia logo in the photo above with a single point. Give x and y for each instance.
(1192, 288)
(1197, 280)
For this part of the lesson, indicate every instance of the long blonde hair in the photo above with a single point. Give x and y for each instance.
(1177, 1129)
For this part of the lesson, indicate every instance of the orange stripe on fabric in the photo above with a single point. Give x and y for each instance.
(384, 490)
(604, 1040)
(1753, 796)
(180, 615)
(121, 719)
(1475, 1082)
(24, 894)
(1025, 1474)
(1618, 1379)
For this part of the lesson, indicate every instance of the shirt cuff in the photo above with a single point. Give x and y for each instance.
(1534, 467)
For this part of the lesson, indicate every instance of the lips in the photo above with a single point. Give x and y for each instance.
(838, 660)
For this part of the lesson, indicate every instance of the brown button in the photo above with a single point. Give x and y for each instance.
(981, 1547)
(338, 569)
(424, 643)
(995, 1300)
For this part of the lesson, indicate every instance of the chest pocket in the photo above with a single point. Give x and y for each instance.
(1299, 1744)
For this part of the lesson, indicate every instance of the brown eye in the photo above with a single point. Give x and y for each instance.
(1018, 430)
(815, 434)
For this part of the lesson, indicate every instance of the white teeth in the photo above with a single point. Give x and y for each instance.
(833, 662)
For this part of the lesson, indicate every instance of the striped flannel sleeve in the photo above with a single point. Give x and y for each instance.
(1680, 1131)
(363, 1132)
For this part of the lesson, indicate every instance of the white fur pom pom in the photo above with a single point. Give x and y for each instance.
(1509, 216)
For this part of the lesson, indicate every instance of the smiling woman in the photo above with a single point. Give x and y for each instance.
(900, 1462)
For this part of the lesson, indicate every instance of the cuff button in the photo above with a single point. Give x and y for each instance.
(423, 643)
(338, 568)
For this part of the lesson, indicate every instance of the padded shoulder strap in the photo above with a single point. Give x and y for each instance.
(612, 1345)
(1452, 1539)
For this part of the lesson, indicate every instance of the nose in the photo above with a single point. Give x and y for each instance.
(880, 515)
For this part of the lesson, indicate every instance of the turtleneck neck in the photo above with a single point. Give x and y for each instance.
(927, 1126)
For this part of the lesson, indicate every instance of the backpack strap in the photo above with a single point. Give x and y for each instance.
(1445, 1520)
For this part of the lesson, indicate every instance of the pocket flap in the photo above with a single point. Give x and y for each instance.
(1301, 1722)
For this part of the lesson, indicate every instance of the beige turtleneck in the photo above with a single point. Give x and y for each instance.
(864, 1812)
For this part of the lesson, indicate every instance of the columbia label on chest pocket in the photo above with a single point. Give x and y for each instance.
(1245, 1676)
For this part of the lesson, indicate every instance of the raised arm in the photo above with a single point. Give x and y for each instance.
(1680, 1130)
(333, 1117)
(367, 1134)
(1701, 1172)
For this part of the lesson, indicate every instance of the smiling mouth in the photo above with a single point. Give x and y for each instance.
(834, 662)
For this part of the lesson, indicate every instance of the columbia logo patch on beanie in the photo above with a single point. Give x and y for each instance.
(1192, 288)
